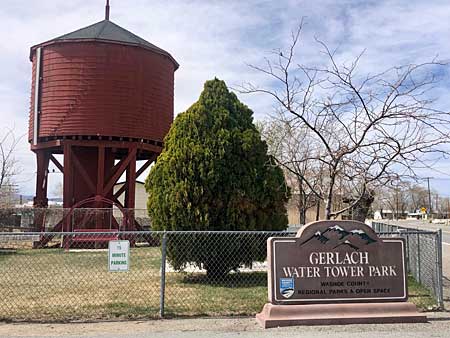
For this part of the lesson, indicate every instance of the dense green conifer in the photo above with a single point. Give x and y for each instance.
(214, 174)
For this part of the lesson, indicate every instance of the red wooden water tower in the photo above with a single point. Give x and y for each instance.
(102, 97)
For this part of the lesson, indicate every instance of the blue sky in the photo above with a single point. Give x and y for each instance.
(218, 38)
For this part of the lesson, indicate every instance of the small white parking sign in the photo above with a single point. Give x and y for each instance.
(119, 255)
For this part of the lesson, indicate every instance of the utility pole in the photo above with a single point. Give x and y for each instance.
(430, 210)
(396, 203)
(448, 208)
(437, 205)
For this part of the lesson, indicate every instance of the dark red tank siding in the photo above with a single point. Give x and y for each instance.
(103, 89)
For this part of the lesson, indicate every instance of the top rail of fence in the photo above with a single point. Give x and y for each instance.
(148, 232)
(398, 228)
(281, 233)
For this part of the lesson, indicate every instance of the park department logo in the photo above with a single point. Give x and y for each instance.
(287, 287)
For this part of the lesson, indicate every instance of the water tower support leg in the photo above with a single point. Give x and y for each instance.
(57, 164)
(68, 184)
(40, 199)
(42, 160)
(118, 171)
(100, 182)
(130, 193)
(138, 173)
(82, 171)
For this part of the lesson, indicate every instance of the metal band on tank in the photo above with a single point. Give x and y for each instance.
(36, 95)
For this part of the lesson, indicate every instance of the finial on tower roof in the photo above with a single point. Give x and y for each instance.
(107, 10)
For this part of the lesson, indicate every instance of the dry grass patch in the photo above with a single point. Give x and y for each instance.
(53, 285)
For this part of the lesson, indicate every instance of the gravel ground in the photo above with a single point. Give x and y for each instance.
(438, 326)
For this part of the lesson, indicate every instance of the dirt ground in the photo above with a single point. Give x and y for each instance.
(438, 326)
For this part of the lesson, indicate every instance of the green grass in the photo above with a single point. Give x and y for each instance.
(53, 285)
(421, 296)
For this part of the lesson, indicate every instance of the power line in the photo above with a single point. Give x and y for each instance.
(434, 178)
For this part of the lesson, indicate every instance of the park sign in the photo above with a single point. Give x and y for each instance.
(340, 270)
(118, 255)
(336, 262)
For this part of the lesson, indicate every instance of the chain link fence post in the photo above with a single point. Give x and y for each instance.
(163, 275)
(408, 254)
(419, 273)
(440, 287)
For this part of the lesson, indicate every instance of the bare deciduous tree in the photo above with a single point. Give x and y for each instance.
(402, 197)
(370, 128)
(8, 165)
(292, 149)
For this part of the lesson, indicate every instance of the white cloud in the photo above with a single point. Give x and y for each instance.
(217, 38)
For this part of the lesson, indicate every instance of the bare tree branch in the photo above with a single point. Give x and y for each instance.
(358, 130)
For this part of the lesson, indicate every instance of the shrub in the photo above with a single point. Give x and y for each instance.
(214, 174)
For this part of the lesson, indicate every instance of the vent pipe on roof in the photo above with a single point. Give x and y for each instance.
(107, 10)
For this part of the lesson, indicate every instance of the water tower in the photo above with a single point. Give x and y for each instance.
(102, 97)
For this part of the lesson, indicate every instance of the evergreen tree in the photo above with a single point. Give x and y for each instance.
(214, 174)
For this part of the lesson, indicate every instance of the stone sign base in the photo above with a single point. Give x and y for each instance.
(329, 314)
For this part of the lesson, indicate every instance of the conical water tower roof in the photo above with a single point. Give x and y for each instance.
(106, 31)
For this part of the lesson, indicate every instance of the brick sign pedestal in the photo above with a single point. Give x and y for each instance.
(336, 314)
(337, 272)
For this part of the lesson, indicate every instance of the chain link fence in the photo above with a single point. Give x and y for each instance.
(48, 276)
(423, 255)
(69, 278)
(50, 219)
(169, 273)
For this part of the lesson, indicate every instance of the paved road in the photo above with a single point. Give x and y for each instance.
(438, 326)
(427, 226)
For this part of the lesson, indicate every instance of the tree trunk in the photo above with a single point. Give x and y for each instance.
(361, 209)
(301, 204)
(328, 204)
(318, 210)
(302, 217)
(329, 201)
